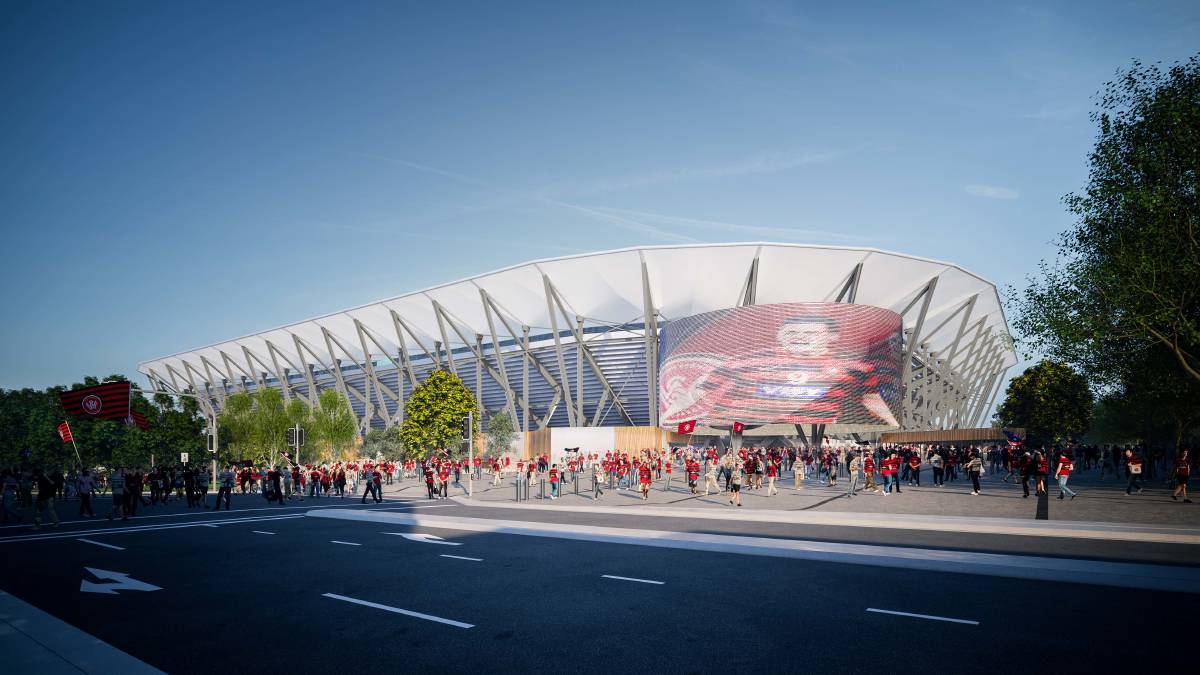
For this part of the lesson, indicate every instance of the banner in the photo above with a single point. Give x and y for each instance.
(103, 402)
(64, 432)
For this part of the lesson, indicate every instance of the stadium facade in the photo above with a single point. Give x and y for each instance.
(574, 341)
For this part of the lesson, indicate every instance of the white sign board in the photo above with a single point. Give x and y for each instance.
(183, 458)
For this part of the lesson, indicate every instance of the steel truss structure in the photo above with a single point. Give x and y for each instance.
(573, 341)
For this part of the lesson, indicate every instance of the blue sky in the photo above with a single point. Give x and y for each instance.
(174, 174)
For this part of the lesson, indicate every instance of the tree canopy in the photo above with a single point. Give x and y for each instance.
(1052, 402)
(433, 414)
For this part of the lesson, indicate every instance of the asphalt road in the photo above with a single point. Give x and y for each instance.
(250, 587)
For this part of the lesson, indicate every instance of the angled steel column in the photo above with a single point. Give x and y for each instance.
(524, 345)
(925, 295)
(480, 361)
(525, 378)
(650, 328)
(850, 288)
(579, 414)
(479, 375)
(750, 287)
(401, 327)
(510, 403)
(558, 352)
(437, 312)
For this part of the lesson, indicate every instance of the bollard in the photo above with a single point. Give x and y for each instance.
(542, 488)
(576, 484)
(518, 496)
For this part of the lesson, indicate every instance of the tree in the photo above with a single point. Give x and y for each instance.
(1052, 402)
(236, 424)
(268, 424)
(500, 434)
(333, 424)
(1128, 274)
(434, 413)
(384, 443)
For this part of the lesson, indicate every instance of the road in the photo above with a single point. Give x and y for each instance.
(319, 593)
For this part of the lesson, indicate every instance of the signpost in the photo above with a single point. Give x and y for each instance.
(183, 458)
(295, 439)
(469, 437)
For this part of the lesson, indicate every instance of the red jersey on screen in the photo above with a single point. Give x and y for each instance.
(795, 363)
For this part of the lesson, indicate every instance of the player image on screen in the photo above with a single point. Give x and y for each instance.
(784, 364)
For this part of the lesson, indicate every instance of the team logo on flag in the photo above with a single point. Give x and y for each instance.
(687, 427)
(92, 404)
(737, 427)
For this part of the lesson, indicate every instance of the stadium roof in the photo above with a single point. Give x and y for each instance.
(607, 288)
(948, 307)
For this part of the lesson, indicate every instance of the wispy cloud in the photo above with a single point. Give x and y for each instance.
(991, 191)
(756, 164)
(756, 231)
(612, 219)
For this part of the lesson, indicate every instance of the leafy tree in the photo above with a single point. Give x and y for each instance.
(500, 434)
(384, 442)
(1052, 402)
(433, 414)
(1128, 277)
(333, 424)
(235, 422)
(269, 423)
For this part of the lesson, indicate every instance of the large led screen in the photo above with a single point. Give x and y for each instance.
(796, 363)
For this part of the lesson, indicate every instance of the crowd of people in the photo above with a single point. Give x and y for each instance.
(879, 469)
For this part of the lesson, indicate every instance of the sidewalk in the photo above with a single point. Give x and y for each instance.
(1098, 501)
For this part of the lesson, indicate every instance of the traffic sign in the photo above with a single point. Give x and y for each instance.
(183, 457)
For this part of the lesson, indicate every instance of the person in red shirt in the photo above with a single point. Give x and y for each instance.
(554, 481)
(1041, 465)
(1183, 469)
(869, 472)
(1062, 474)
(772, 474)
(890, 467)
(444, 480)
(645, 475)
(667, 469)
(914, 468)
(692, 467)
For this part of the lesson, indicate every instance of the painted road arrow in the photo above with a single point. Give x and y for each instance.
(123, 583)
(424, 538)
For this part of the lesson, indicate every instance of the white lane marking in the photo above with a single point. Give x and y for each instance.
(34, 630)
(138, 528)
(344, 543)
(640, 581)
(276, 509)
(461, 557)
(423, 506)
(116, 548)
(397, 610)
(261, 532)
(424, 538)
(923, 616)
(121, 582)
(1118, 574)
(207, 525)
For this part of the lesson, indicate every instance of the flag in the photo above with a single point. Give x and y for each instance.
(1015, 439)
(64, 432)
(103, 402)
(687, 427)
(737, 427)
(137, 419)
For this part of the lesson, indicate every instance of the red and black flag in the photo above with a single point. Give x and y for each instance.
(738, 427)
(64, 432)
(138, 420)
(103, 402)
(686, 427)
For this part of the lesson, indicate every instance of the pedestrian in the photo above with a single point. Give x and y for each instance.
(855, 467)
(868, 469)
(890, 471)
(45, 499)
(9, 486)
(645, 476)
(1183, 469)
(84, 485)
(939, 472)
(735, 486)
(1133, 467)
(914, 468)
(116, 484)
(598, 479)
(1062, 474)
(554, 481)
(1026, 467)
(772, 474)
(225, 481)
(1041, 467)
(710, 478)
(974, 468)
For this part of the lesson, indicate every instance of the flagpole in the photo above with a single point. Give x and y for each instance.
(72, 435)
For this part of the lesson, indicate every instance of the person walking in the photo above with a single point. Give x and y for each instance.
(890, 470)
(598, 479)
(85, 484)
(855, 467)
(225, 481)
(1183, 469)
(116, 485)
(1133, 467)
(939, 472)
(1062, 474)
(772, 474)
(45, 499)
(974, 468)
(710, 478)
(735, 485)
(554, 482)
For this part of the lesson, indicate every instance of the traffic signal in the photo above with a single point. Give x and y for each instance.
(466, 428)
(291, 437)
(212, 446)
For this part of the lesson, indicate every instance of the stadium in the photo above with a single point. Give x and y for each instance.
(766, 338)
